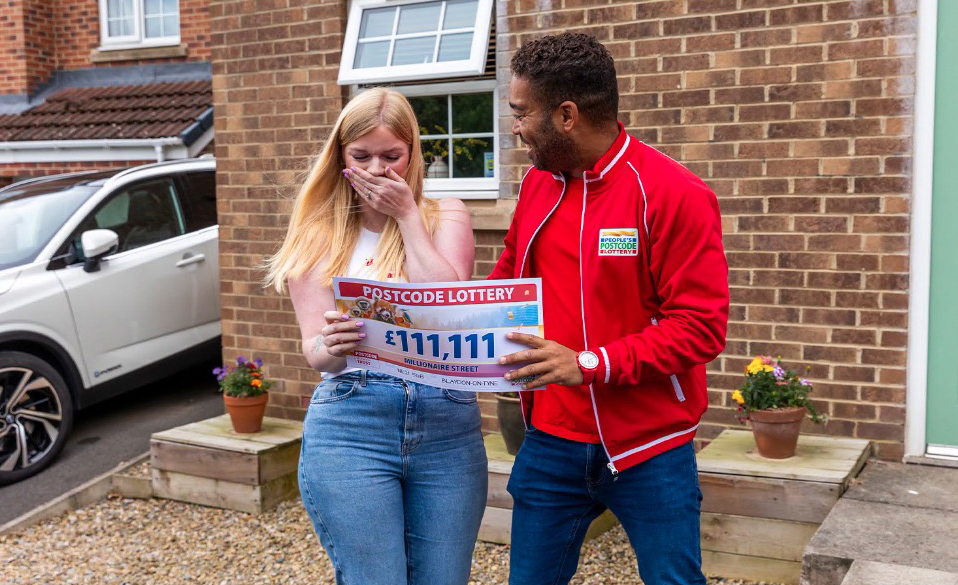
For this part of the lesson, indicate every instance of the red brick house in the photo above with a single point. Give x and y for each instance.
(815, 122)
(92, 84)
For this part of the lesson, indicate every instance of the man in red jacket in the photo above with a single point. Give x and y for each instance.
(628, 244)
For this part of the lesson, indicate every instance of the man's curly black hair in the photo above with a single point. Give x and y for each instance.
(570, 67)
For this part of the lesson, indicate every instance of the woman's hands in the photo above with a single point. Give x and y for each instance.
(340, 336)
(388, 194)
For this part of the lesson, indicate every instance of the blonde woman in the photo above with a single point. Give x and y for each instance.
(392, 473)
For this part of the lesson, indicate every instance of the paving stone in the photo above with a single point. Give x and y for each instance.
(874, 531)
(872, 573)
(920, 486)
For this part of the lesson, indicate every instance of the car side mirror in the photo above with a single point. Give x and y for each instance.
(96, 245)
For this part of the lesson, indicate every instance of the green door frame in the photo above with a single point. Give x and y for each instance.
(942, 408)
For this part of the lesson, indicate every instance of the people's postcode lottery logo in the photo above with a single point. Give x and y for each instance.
(619, 242)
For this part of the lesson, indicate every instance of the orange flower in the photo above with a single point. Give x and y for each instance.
(256, 383)
(257, 375)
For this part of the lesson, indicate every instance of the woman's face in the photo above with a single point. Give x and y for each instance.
(376, 150)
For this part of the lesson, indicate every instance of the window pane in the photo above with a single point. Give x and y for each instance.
(171, 6)
(120, 9)
(432, 113)
(455, 47)
(469, 156)
(460, 14)
(142, 215)
(412, 51)
(120, 28)
(171, 25)
(472, 112)
(419, 17)
(377, 22)
(371, 54)
(435, 153)
(152, 7)
(199, 200)
(154, 26)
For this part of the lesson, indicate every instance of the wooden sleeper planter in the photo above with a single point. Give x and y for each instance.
(208, 463)
(759, 513)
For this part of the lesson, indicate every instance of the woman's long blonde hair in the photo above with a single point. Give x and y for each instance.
(326, 220)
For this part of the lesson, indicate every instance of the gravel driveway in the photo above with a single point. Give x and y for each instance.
(120, 541)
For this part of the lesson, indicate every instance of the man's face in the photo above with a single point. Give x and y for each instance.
(549, 149)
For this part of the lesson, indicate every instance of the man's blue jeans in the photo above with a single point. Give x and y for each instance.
(560, 486)
(393, 475)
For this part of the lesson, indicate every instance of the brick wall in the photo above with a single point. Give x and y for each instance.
(275, 94)
(13, 66)
(797, 114)
(78, 35)
(39, 41)
(38, 37)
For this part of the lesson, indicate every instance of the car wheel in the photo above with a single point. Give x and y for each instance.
(36, 413)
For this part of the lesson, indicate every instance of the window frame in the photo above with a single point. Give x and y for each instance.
(138, 39)
(466, 188)
(475, 65)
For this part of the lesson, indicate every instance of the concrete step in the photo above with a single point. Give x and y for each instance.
(872, 573)
(893, 514)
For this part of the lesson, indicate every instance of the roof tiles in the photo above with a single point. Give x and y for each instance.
(156, 110)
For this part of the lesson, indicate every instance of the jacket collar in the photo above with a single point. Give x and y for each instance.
(610, 159)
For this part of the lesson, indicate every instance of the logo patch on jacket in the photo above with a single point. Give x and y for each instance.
(619, 242)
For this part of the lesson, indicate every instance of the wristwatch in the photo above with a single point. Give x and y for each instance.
(588, 364)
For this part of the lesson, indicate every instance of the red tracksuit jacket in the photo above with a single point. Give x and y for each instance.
(654, 292)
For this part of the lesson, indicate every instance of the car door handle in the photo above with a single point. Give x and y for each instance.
(192, 259)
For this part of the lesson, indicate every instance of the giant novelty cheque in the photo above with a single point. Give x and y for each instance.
(446, 334)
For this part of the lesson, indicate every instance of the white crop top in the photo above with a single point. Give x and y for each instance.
(362, 264)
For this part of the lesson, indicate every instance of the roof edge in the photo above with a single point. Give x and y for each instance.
(128, 149)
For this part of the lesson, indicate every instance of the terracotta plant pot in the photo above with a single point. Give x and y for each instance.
(513, 429)
(776, 431)
(246, 414)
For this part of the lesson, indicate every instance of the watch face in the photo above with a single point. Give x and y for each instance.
(588, 360)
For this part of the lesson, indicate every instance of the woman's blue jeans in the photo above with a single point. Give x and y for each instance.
(560, 486)
(393, 475)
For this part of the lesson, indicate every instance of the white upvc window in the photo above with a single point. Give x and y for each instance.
(402, 40)
(459, 133)
(126, 24)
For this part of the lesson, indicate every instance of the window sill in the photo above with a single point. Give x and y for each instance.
(491, 214)
(107, 54)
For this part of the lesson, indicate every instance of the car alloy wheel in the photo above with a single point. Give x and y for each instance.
(35, 415)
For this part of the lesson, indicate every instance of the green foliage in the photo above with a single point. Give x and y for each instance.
(244, 380)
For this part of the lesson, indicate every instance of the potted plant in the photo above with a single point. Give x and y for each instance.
(509, 411)
(244, 393)
(776, 401)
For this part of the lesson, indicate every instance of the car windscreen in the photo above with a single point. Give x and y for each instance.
(32, 214)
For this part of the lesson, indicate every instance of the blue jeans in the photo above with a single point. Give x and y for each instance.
(393, 475)
(560, 486)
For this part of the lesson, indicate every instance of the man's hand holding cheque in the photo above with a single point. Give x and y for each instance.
(548, 362)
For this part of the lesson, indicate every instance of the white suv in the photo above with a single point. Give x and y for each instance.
(108, 281)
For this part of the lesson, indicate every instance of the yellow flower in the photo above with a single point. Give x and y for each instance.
(767, 368)
(256, 383)
(737, 397)
(756, 366)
